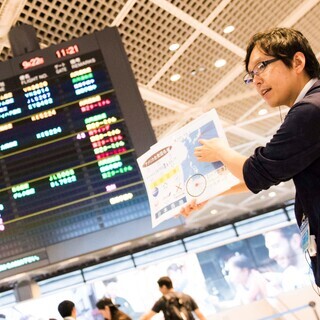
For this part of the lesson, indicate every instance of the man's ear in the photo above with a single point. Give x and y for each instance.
(298, 62)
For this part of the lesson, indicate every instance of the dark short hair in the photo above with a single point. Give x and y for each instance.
(165, 281)
(241, 261)
(284, 43)
(65, 308)
(106, 302)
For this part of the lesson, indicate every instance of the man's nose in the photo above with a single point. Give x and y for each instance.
(257, 80)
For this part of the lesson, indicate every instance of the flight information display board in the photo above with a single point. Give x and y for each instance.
(72, 124)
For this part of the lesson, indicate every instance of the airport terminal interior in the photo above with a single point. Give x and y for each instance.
(89, 89)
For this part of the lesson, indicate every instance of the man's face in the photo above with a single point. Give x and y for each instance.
(277, 84)
(74, 312)
(279, 248)
(164, 290)
(236, 274)
(106, 313)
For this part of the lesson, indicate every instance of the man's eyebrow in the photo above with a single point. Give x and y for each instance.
(259, 61)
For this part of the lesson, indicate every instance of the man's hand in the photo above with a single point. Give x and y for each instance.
(192, 206)
(217, 149)
(211, 150)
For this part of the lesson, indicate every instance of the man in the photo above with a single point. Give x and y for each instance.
(284, 247)
(166, 288)
(67, 310)
(285, 71)
(110, 311)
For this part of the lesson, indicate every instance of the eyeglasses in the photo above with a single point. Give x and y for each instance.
(257, 70)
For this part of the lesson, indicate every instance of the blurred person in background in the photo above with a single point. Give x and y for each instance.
(67, 310)
(166, 288)
(110, 311)
(250, 285)
(284, 247)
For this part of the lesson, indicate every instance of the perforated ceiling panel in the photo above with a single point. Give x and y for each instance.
(199, 58)
(251, 16)
(61, 20)
(148, 31)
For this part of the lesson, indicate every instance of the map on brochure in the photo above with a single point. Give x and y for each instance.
(172, 174)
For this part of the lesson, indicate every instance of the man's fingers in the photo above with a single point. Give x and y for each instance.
(202, 204)
(192, 206)
(184, 212)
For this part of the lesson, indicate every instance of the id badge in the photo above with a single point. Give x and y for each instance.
(305, 234)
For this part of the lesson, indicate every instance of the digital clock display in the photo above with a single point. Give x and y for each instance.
(67, 51)
(33, 62)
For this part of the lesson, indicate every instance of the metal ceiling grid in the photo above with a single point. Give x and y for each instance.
(308, 24)
(235, 87)
(235, 140)
(147, 32)
(62, 20)
(202, 53)
(252, 114)
(5, 53)
(234, 110)
(265, 125)
(162, 129)
(157, 112)
(198, 9)
(250, 16)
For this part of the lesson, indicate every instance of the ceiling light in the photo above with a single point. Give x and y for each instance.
(195, 71)
(214, 211)
(228, 29)
(262, 112)
(272, 194)
(174, 47)
(220, 63)
(175, 77)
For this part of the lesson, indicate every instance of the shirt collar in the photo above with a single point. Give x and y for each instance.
(305, 89)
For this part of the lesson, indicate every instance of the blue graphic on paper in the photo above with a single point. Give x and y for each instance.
(194, 171)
